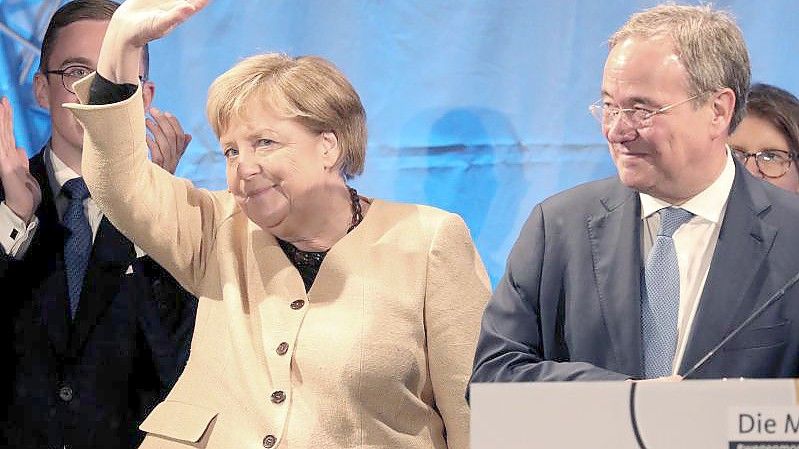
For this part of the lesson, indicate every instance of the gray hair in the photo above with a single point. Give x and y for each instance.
(708, 42)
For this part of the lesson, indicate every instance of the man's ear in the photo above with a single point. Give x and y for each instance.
(147, 93)
(330, 148)
(723, 104)
(40, 90)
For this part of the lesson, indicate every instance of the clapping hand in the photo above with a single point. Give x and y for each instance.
(167, 141)
(22, 193)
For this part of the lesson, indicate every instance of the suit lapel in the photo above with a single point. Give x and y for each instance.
(47, 258)
(743, 237)
(112, 254)
(614, 233)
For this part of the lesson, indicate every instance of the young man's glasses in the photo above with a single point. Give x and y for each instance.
(72, 73)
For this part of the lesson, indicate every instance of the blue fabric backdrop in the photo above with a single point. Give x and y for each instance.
(478, 107)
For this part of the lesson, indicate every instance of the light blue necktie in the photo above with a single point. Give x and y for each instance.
(661, 299)
(78, 242)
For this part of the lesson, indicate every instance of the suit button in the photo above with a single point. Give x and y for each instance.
(65, 393)
(278, 397)
(282, 348)
(297, 305)
(269, 441)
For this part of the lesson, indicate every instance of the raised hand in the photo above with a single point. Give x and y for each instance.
(135, 23)
(142, 21)
(22, 193)
(167, 141)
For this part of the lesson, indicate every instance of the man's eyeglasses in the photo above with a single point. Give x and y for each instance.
(72, 73)
(636, 117)
(771, 163)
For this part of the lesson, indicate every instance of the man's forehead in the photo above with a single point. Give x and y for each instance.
(74, 60)
(79, 42)
(644, 54)
(646, 63)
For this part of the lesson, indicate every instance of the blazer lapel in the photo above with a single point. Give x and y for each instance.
(614, 233)
(112, 254)
(743, 236)
(272, 283)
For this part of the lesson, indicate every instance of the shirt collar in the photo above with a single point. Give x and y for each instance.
(708, 204)
(61, 172)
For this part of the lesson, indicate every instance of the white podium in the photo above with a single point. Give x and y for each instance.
(701, 414)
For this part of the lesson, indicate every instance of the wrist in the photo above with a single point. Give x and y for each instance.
(119, 57)
(21, 212)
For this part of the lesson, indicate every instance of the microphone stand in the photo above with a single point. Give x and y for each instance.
(772, 299)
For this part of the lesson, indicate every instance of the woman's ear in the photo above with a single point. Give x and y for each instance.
(329, 148)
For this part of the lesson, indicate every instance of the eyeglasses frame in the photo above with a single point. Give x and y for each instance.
(596, 108)
(747, 155)
(62, 74)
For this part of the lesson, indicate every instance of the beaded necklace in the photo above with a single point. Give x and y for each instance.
(309, 262)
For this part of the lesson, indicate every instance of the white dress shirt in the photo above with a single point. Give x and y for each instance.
(16, 236)
(695, 242)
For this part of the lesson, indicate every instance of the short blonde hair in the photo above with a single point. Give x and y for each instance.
(308, 88)
(709, 43)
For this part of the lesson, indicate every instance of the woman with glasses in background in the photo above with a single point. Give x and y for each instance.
(767, 140)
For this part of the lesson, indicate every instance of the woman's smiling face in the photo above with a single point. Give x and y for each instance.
(275, 164)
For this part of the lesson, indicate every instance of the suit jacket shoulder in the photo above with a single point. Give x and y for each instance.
(585, 199)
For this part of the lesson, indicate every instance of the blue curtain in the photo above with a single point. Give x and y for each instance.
(477, 107)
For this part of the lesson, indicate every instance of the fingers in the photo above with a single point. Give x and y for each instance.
(168, 141)
(199, 4)
(22, 192)
(22, 155)
(155, 142)
(155, 152)
(137, 22)
(173, 129)
(178, 14)
(7, 142)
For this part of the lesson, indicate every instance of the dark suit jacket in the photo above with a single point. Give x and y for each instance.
(89, 382)
(569, 304)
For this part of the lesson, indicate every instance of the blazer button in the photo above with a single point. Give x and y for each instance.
(278, 397)
(282, 348)
(65, 393)
(298, 304)
(269, 441)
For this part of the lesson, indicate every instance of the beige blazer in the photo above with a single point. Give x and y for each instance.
(376, 355)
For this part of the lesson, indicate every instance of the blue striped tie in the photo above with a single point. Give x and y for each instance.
(661, 299)
(78, 243)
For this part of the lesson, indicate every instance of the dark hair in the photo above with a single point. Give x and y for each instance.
(75, 11)
(778, 107)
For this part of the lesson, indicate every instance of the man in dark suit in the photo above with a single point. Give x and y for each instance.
(95, 332)
(641, 275)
